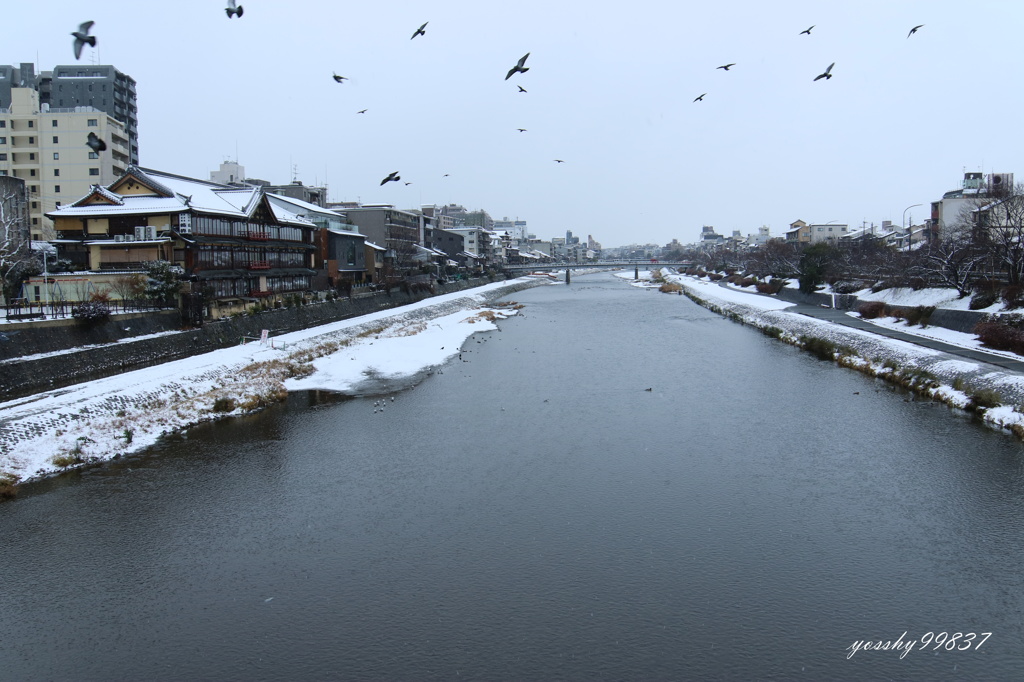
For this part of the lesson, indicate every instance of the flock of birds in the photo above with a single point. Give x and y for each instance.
(826, 74)
(83, 37)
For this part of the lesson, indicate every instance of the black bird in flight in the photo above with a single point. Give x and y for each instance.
(233, 10)
(407, 184)
(914, 30)
(95, 143)
(559, 161)
(82, 37)
(392, 177)
(521, 88)
(362, 111)
(827, 74)
(726, 66)
(808, 31)
(339, 79)
(519, 68)
(445, 175)
(700, 99)
(420, 31)
(522, 130)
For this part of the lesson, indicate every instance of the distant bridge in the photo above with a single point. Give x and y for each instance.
(636, 264)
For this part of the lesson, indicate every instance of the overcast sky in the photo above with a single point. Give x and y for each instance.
(610, 91)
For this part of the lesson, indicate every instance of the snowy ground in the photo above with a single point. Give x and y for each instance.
(375, 353)
(893, 359)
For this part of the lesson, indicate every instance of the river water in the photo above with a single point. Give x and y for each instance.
(533, 511)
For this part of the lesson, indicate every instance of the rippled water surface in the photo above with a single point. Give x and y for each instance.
(531, 511)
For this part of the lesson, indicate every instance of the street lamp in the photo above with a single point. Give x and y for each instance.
(905, 223)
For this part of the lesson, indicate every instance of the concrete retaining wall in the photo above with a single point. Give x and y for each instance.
(20, 378)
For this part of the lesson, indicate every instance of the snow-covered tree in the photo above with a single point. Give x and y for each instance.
(163, 281)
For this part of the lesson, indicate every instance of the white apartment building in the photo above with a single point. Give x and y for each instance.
(46, 148)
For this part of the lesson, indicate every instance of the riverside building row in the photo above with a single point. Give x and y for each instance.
(239, 244)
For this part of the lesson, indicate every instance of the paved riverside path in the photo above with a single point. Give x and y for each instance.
(840, 317)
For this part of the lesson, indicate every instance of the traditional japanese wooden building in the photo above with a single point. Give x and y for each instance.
(236, 246)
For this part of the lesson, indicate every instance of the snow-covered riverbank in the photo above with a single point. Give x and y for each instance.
(376, 353)
(953, 380)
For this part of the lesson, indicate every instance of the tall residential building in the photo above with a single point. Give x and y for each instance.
(46, 148)
(101, 87)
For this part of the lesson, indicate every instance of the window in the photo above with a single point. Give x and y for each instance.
(53, 123)
(31, 124)
(56, 156)
(32, 156)
(56, 189)
(32, 172)
(3, 140)
(3, 124)
(3, 173)
(94, 155)
(94, 171)
(93, 122)
(56, 172)
(35, 205)
(3, 157)
(55, 139)
(31, 140)
(58, 203)
(33, 188)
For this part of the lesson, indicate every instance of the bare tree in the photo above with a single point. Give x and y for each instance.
(999, 230)
(16, 257)
(956, 259)
(129, 287)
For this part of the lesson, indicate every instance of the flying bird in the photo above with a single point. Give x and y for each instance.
(82, 37)
(95, 143)
(559, 161)
(445, 175)
(522, 130)
(700, 99)
(914, 30)
(233, 9)
(521, 88)
(519, 68)
(420, 31)
(808, 30)
(392, 177)
(362, 111)
(827, 74)
(407, 184)
(339, 79)
(726, 66)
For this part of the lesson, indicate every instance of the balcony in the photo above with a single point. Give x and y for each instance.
(258, 236)
(259, 265)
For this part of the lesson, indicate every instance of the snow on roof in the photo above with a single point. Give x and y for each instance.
(312, 208)
(283, 215)
(346, 233)
(374, 246)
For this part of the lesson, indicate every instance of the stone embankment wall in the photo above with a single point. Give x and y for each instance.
(957, 320)
(19, 378)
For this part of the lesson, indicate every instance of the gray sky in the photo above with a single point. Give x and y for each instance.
(610, 91)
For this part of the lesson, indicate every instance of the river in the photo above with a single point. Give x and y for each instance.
(533, 511)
